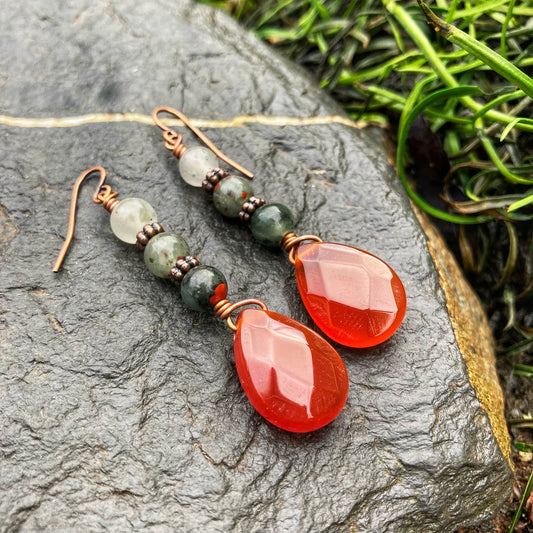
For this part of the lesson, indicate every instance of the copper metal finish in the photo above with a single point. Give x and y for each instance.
(176, 276)
(174, 141)
(249, 207)
(102, 195)
(107, 197)
(291, 240)
(142, 240)
(186, 263)
(148, 231)
(212, 178)
(183, 265)
(224, 308)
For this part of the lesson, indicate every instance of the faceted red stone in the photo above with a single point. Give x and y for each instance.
(354, 297)
(291, 375)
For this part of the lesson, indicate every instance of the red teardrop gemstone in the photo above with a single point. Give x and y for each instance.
(354, 297)
(291, 375)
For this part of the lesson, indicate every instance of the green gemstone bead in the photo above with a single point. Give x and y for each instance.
(162, 251)
(230, 193)
(129, 216)
(203, 287)
(270, 223)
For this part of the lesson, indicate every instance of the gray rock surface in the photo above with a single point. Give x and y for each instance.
(120, 409)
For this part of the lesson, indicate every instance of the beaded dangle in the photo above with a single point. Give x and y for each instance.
(291, 375)
(353, 296)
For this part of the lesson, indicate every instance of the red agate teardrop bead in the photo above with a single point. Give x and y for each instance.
(354, 297)
(291, 375)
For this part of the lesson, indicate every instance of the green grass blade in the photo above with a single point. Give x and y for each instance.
(523, 500)
(406, 121)
(520, 203)
(491, 58)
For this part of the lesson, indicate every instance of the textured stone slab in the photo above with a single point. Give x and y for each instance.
(120, 409)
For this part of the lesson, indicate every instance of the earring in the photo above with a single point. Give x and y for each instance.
(291, 375)
(353, 296)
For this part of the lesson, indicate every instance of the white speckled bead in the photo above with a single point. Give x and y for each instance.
(129, 216)
(195, 163)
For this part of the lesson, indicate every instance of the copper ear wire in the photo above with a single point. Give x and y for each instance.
(174, 141)
(102, 195)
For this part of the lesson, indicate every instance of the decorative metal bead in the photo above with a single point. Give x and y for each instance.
(249, 207)
(212, 177)
(183, 265)
(148, 231)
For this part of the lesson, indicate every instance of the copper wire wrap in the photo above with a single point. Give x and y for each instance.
(224, 308)
(291, 241)
(174, 141)
(107, 197)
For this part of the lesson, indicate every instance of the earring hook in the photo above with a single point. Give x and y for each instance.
(174, 141)
(102, 195)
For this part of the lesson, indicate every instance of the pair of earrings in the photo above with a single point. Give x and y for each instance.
(291, 375)
(354, 297)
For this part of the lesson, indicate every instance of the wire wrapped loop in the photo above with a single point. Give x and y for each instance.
(174, 143)
(107, 197)
(291, 241)
(224, 308)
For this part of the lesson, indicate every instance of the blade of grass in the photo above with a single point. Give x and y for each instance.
(523, 500)
(520, 203)
(491, 58)
(408, 117)
(523, 370)
(419, 38)
(505, 26)
(512, 256)
(495, 158)
(480, 9)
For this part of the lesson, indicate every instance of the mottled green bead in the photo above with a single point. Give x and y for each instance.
(203, 287)
(270, 223)
(162, 251)
(230, 193)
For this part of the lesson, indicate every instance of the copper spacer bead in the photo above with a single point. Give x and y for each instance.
(176, 275)
(158, 227)
(183, 265)
(212, 177)
(148, 231)
(142, 239)
(249, 207)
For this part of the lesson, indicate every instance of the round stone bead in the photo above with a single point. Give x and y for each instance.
(270, 223)
(203, 287)
(230, 193)
(195, 163)
(162, 251)
(129, 216)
